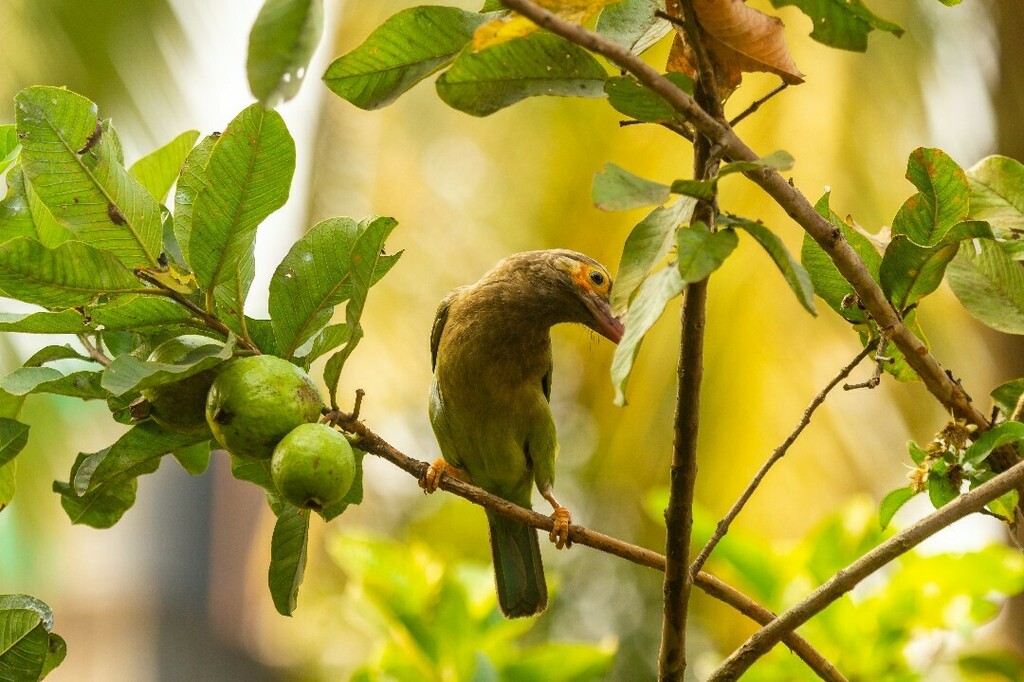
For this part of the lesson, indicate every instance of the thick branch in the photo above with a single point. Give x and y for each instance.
(723, 525)
(846, 579)
(372, 443)
(846, 260)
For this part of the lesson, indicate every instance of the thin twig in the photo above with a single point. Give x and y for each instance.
(370, 442)
(723, 525)
(94, 352)
(757, 104)
(847, 578)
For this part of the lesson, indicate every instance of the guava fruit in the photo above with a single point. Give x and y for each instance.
(255, 401)
(313, 466)
(181, 406)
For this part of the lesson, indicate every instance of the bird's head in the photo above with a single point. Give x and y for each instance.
(572, 287)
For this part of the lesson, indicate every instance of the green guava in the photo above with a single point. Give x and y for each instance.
(181, 406)
(255, 401)
(313, 466)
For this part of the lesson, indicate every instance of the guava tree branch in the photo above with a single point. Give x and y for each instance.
(796, 205)
(723, 525)
(370, 442)
(846, 579)
(94, 352)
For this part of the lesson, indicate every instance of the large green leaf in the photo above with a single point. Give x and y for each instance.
(401, 52)
(842, 23)
(288, 558)
(797, 278)
(13, 437)
(633, 24)
(190, 182)
(158, 170)
(24, 643)
(329, 338)
(481, 83)
(997, 193)
(631, 98)
(126, 313)
(646, 246)
(194, 459)
(72, 164)
(645, 309)
(128, 374)
(72, 274)
(315, 276)
(616, 189)
(942, 201)
(699, 252)
(33, 380)
(23, 214)
(990, 285)
(248, 177)
(281, 43)
(369, 263)
(996, 437)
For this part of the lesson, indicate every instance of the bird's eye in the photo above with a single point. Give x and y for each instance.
(597, 278)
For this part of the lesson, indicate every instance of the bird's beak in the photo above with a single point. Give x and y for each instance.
(604, 323)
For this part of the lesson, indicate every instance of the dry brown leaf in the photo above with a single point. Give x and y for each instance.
(738, 39)
(514, 25)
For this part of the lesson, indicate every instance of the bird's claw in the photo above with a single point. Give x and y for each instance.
(560, 532)
(432, 479)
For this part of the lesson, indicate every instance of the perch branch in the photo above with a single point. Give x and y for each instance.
(846, 579)
(723, 525)
(370, 442)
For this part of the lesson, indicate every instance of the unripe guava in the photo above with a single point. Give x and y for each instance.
(313, 466)
(255, 401)
(181, 406)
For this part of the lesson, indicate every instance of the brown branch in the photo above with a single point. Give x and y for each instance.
(723, 525)
(846, 579)
(370, 442)
(94, 352)
(830, 238)
(757, 104)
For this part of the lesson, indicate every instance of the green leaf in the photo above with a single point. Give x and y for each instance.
(631, 98)
(262, 334)
(997, 193)
(13, 438)
(128, 374)
(248, 177)
(137, 313)
(917, 453)
(32, 380)
(369, 263)
(996, 437)
(698, 189)
(52, 354)
(645, 309)
(796, 277)
(633, 24)
(891, 504)
(942, 202)
(74, 168)
(329, 338)
(481, 83)
(24, 644)
(29, 603)
(57, 650)
(191, 181)
(1006, 396)
(616, 189)
(10, 147)
(281, 43)
(63, 322)
(941, 490)
(780, 160)
(831, 286)
(158, 170)
(844, 24)
(990, 665)
(194, 459)
(400, 53)
(700, 251)
(354, 494)
(910, 272)
(989, 285)
(73, 274)
(288, 558)
(647, 244)
(23, 214)
(315, 276)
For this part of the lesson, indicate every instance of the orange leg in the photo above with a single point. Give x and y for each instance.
(562, 518)
(432, 478)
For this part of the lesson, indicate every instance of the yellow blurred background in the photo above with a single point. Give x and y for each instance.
(185, 570)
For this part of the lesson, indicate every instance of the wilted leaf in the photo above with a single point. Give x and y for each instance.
(989, 285)
(701, 252)
(891, 504)
(281, 43)
(288, 558)
(941, 202)
(511, 26)
(481, 83)
(633, 24)
(646, 246)
(797, 278)
(616, 189)
(401, 52)
(158, 170)
(631, 98)
(842, 23)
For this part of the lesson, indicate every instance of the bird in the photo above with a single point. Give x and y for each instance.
(490, 349)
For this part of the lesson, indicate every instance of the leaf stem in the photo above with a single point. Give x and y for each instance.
(94, 352)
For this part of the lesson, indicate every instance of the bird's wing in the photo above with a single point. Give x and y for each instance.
(440, 318)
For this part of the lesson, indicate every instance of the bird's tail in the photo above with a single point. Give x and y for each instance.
(518, 570)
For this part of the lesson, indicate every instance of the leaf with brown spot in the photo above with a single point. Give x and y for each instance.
(738, 39)
(514, 25)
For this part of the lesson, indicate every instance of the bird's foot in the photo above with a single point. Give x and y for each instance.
(560, 533)
(432, 478)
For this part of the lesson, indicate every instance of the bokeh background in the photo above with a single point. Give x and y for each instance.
(177, 590)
